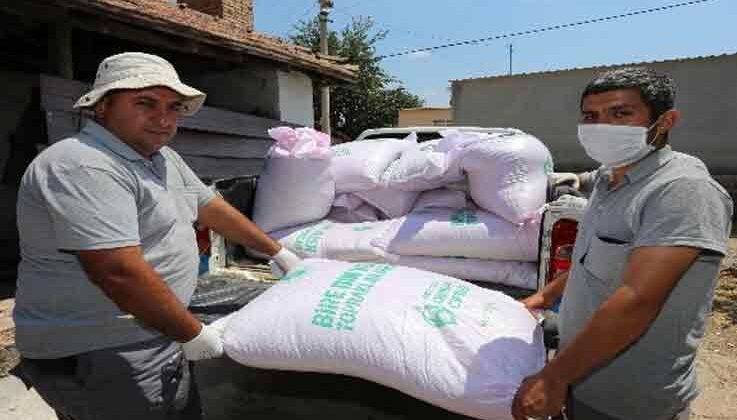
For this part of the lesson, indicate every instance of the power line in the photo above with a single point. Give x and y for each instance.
(545, 29)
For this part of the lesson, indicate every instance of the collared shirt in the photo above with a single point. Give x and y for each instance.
(93, 191)
(666, 199)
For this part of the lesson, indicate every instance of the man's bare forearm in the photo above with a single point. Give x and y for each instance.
(224, 219)
(619, 322)
(129, 281)
(650, 276)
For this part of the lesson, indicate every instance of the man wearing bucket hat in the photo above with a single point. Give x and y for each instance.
(109, 256)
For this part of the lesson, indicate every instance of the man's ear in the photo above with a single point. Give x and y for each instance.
(668, 120)
(100, 108)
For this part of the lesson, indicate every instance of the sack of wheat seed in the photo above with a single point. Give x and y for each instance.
(339, 241)
(469, 233)
(436, 338)
(359, 165)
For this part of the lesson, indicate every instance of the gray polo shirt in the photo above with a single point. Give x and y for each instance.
(88, 192)
(667, 199)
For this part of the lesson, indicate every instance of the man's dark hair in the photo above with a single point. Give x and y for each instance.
(656, 89)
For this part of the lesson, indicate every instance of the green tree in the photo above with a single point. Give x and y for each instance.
(375, 100)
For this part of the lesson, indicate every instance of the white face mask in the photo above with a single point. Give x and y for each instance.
(615, 145)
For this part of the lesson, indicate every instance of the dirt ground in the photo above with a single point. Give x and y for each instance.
(722, 334)
(717, 355)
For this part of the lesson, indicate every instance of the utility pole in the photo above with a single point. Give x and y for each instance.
(325, 6)
(511, 50)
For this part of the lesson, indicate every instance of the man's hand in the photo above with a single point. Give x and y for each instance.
(207, 345)
(566, 178)
(283, 262)
(535, 302)
(545, 298)
(539, 397)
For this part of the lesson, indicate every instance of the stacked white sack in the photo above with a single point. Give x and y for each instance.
(355, 242)
(509, 273)
(436, 163)
(469, 233)
(508, 174)
(420, 168)
(436, 338)
(359, 165)
(338, 241)
(297, 185)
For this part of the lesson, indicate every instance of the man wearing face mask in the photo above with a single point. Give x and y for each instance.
(645, 263)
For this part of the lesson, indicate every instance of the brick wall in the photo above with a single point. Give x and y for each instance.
(237, 12)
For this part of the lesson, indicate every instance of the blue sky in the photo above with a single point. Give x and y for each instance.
(701, 29)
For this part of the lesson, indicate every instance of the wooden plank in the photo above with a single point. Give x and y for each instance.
(196, 143)
(218, 168)
(59, 94)
(217, 120)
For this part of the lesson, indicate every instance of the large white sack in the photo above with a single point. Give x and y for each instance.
(469, 233)
(420, 168)
(392, 203)
(509, 273)
(293, 192)
(436, 338)
(508, 175)
(443, 198)
(359, 165)
(338, 241)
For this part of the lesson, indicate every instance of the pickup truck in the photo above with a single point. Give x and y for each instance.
(233, 391)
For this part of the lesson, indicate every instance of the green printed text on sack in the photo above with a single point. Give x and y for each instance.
(308, 239)
(464, 217)
(340, 304)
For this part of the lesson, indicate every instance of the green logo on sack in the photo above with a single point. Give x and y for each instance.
(442, 301)
(437, 316)
(362, 228)
(464, 217)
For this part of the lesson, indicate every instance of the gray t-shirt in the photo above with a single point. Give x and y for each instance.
(88, 192)
(667, 199)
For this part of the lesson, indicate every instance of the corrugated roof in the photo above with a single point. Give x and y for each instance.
(222, 32)
(601, 67)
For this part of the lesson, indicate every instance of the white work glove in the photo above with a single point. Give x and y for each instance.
(283, 262)
(566, 178)
(207, 345)
(569, 206)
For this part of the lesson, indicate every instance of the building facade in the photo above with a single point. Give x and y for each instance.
(425, 116)
(547, 105)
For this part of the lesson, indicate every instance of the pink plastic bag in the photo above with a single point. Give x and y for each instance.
(300, 143)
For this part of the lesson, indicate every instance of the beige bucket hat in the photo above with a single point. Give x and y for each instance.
(135, 70)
